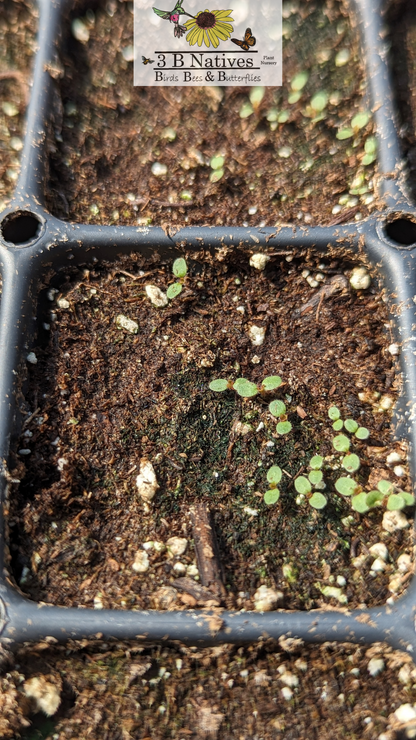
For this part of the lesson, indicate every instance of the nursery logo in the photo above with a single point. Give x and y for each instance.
(191, 46)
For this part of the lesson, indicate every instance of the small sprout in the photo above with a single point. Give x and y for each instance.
(344, 133)
(385, 487)
(245, 388)
(319, 101)
(359, 503)
(246, 110)
(374, 498)
(351, 463)
(362, 433)
(271, 382)
(299, 81)
(272, 496)
(277, 408)
(216, 175)
(303, 485)
(318, 500)
(360, 120)
(334, 413)
(180, 268)
(408, 498)
(217, 163)
(341, 443)
(338, 425)
(256, 95)
(316, 462)
(315, 477)
(174, 290)
(351, 425)
(218, 385)
(283, 427)
(346, 486)
(274, 474)
(395, 502)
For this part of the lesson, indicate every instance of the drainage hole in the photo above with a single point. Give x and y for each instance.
(21, 227)
(402, 231)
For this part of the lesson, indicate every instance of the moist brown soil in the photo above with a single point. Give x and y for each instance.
(103, 399)
(293, 171)
(18, 22)
(150, 693)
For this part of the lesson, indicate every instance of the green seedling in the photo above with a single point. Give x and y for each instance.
(245, 388)
(179, 269)
(388, 496)
(305, 486)
(274, 476)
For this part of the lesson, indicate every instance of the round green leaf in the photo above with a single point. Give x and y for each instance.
(362, 433)
(271, 382)
(174, 290)
(318, 501)
(351, 463)
(283, 427)
(218, 385)
(272, 496)
(374, 498)
(359, 503)
(277, 408)
(395, 502)
(337, 425)
(360, 120)
(370, 146)
(350, 425)
(341, 443)
(180, 268)
(316, 462)
(334, 413)
(344, 133)
(216, 175)
(256, 95)
(217, 162)
(315, 477)
(302, 485)
(299, 81)
(385, 487)
(245, 388)
(319, 101)
(274, 474)
(346, 486)
(409, 499)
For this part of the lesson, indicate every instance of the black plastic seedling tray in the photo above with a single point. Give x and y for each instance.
(35, 245)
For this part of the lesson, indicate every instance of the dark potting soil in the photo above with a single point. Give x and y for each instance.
(230, 693)
(18, 22)
(101, 400)
(282, 163)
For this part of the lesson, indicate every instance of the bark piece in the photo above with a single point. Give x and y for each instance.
(201, 594)
(206, 550)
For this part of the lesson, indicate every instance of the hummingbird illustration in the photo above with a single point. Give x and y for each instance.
(173, 16)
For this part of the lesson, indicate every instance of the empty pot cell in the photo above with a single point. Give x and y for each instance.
(128, 456)
(303, 153)
(17, 44)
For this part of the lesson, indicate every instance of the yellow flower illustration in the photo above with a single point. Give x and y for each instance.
(209, 27)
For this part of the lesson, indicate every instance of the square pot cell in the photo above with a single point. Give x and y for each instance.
(40, 252)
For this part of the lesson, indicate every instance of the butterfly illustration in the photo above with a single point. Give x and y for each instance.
(147, 61)
(248, 41)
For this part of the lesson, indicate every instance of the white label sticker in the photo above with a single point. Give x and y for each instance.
(196, 46)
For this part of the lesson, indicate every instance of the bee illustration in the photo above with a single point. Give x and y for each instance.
(147, 61)
(248, 41)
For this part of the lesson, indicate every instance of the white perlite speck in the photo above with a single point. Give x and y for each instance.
(259, 261)
(63, 303)
(176, 545)
(80, 31)
(146, 482)
(393, 457)
(394, 349)
(123, 322)
(375, 666)
(266, 599)
(405, 713)
(159, 169)
(257, 335)
(32, 358)
(379, 550)
(360, 279)
(141, 562)
(157, 296)
(45, 694)
(287, 693)
(393, 520)
(404, 563)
